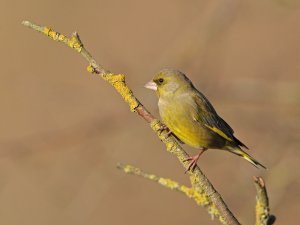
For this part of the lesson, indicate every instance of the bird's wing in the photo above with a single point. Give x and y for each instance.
(206, 115)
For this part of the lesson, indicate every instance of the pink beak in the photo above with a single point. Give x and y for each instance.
(151, 85)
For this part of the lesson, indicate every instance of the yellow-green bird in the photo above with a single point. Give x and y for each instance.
(191, 118)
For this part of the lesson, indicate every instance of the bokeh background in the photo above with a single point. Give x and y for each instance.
(63, 130)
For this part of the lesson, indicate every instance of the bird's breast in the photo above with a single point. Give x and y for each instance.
(177, 116)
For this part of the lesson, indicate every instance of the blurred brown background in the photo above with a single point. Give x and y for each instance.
(63, 130)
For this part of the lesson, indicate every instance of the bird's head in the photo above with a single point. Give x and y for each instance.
(168, 81)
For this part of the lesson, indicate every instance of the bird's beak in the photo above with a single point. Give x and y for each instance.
(151, 85)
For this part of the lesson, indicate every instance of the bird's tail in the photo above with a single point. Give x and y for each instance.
(246, 156)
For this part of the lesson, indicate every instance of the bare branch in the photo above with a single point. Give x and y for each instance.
(263, 216)
(200, 198)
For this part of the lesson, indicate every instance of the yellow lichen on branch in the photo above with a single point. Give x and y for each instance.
(74, 42)
(262, 209)
(118, 82)
(199, 197)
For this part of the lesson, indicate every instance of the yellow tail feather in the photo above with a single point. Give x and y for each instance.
(246, 156)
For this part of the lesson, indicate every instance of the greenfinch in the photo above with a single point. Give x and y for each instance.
(191, 118)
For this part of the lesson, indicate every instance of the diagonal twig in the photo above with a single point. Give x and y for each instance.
(199, 197)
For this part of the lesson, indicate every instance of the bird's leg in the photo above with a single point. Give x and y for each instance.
(165, 128)
(194, 160)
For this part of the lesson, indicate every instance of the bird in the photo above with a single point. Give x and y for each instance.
(192, 119)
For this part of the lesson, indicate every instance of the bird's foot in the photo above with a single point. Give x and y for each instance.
(193, 160)
(193, 163)
(165, 128)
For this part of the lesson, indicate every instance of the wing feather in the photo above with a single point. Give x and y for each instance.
(207, 115)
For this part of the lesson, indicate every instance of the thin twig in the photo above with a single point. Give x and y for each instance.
(199, 181)
(200, 198)
(263, 216)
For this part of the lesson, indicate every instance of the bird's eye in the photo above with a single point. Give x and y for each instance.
(160, 80)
